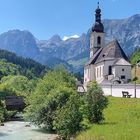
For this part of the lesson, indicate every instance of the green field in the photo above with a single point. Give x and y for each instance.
(122, 122)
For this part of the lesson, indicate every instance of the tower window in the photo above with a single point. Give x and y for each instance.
(99, 40)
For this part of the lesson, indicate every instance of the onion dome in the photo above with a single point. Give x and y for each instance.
(98, 26)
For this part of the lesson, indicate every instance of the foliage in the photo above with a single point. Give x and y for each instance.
(16, 85)
(18, 76)
(68, 118)
(7, 68)
(1, 112)
(52, 92)
(9, 114)
(96, 103)
(137, 75)
(19, 65)
(56, 106)
(135, 56)
(121, 123)
(134, 59)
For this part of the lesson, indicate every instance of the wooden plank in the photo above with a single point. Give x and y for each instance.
(14, 103)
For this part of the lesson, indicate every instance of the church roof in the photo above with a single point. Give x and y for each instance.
(120, 62)
(94, 57)
(98, 27)
(111, 52)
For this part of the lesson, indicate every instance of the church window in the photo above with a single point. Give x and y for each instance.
(110, 70)
(100, 72)
(99, 40)
(97, 72)
(122, 76)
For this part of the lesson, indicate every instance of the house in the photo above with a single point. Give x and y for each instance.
(107, 63)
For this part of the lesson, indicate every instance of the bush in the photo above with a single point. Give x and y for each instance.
(96, 103)
(51, 93)
(68, 118)
(56, 106)
(1, 112)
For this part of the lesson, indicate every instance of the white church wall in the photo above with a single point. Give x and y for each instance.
(92, 72)
(123, 71)
(89, 74)
(106, 66)
(86, 75)
(116, 90)
(99, 72)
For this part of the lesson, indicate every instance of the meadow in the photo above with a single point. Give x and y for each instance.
(122, 122)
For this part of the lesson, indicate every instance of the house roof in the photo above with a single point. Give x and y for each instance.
(112, 51)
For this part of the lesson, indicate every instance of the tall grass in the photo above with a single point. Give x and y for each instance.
(122, 122)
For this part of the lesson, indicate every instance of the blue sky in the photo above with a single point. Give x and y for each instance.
(45, 18)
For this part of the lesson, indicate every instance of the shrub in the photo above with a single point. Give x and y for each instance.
(51, 93)
(96, 102)
(1, 112)
(68, 118)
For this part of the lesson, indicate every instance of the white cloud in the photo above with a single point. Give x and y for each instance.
(68, 37)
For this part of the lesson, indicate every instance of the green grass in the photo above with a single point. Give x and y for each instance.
(122, 122)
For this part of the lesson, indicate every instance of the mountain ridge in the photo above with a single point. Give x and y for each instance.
(73, 50)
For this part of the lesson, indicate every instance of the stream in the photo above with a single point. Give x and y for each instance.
(18, 130)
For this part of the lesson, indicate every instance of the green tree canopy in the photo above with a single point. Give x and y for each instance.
(52, 92)
(17, 85)
(96, 103)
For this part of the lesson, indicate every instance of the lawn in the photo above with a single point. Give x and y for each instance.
(122, 122)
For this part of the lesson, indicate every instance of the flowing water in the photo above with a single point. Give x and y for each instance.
(17, 130)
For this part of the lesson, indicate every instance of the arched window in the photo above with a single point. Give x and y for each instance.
(99, 40)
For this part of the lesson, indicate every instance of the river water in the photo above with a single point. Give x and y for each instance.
(17, 130)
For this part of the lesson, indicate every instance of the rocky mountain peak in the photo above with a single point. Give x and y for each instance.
(55, 38)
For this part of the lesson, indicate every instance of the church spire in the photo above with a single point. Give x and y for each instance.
(98, 26)
(98, 13)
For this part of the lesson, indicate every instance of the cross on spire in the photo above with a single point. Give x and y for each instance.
(98, 13)
(98, 4)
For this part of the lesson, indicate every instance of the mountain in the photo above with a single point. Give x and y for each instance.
(73, 52)
(127, 31)
(22, 43)
(64, 50)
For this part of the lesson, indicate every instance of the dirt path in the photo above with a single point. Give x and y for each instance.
(17, 131)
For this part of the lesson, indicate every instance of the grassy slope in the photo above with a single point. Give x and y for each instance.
(122, 122)
(78, 64)
(137, 74)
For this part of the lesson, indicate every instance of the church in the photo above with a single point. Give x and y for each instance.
(107, 63)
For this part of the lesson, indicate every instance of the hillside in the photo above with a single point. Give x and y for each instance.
(135, 57)
(11, 64)
(122, 118)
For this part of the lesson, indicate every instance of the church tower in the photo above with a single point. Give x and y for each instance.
(97, 38)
